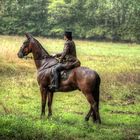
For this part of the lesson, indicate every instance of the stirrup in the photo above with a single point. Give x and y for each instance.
(53, 87)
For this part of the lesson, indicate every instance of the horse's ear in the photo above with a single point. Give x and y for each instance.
(29, 36)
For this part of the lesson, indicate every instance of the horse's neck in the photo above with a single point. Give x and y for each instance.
(39, 53)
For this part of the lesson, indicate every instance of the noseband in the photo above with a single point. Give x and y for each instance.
(31, 57)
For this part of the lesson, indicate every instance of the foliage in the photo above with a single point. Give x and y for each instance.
(90, 19)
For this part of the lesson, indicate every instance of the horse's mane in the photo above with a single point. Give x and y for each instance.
(38, 44)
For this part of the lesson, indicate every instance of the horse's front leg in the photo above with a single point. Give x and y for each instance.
(50, 99)
(43, 100)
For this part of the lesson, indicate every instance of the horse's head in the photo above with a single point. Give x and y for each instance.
(26, 47)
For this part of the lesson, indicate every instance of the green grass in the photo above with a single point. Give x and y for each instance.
(119, 67)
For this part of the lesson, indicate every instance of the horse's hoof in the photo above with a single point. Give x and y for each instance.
(53, 88)
(42, 117)
(97, 121)
(86, 118)
(49, 115)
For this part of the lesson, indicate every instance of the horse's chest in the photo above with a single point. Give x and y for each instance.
(43, 78)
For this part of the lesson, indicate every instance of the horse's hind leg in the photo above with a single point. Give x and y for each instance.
(96, 116)
(95, 113)
(96, 108)
(92, 102)
(89, 114)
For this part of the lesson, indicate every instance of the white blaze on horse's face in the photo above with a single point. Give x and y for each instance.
(25, 49)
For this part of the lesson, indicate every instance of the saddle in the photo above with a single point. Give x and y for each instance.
(57, 76)
(64, 74)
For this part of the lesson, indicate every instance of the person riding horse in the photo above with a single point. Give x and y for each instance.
(68, 59)
(80, 78)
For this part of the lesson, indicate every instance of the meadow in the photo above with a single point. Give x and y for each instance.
(119, 67)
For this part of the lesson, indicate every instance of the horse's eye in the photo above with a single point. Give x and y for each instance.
(25, 43)
(25, 46)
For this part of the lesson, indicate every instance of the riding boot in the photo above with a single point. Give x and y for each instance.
(56, 80)
(55, 86)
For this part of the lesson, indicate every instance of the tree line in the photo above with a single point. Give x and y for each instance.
(117, 20)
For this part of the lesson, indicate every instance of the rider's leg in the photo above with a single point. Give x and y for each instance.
(56, 73)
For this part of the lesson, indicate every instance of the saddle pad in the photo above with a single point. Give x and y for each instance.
(65, 74)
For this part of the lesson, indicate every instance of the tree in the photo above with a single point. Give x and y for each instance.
(90, 19)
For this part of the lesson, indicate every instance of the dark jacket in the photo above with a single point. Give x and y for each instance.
(69, 56)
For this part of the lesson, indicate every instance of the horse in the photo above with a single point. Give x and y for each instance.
(80, 78)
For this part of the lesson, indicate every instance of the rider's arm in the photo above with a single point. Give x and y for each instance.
(65, 51)
(58, 54)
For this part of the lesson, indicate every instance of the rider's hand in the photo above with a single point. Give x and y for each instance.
(54, 55)
(60, 60)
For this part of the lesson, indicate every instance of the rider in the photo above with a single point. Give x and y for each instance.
(68, 59)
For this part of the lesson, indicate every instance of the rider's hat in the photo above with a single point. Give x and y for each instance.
(68, 34)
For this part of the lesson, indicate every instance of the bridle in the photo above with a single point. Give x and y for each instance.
(31, 57)
(45, 56)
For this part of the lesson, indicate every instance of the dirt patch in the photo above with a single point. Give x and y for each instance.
(125, 112)
(79, 113)
(133, 77)
(122, 103)
(6, 110)
(128, 77)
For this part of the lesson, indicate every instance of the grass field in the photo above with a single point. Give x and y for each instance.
(119, 67)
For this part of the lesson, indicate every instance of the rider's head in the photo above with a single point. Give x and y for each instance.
(68, 35)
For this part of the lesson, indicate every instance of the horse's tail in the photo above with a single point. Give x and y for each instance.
(96, 90)
(96, 114)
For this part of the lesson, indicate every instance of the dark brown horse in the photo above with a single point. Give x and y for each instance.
(81, 78)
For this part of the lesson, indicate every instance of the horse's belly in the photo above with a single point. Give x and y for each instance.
(67, 88)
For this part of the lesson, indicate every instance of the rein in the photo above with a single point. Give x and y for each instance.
(27, 57)
(48, 67)
(44, 57)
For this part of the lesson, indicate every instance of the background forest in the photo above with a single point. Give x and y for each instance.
(117, 20)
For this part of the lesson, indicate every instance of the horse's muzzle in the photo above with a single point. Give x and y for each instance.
(20, 55)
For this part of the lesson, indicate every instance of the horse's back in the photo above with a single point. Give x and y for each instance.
(86, 72)
(86, 79)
